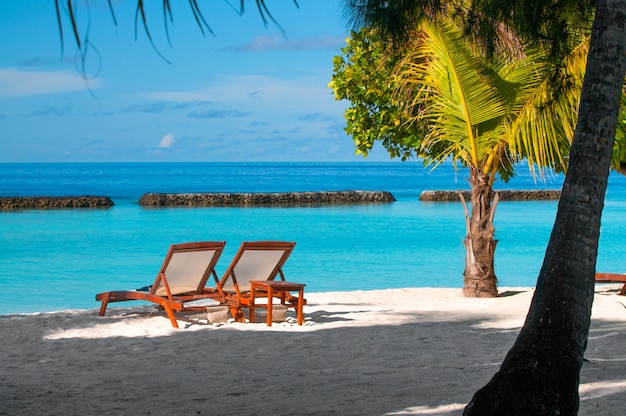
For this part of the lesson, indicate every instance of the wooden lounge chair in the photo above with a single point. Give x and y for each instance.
(182, 278)
(258, 260)
(612, 278)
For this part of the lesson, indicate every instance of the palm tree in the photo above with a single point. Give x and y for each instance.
(483, 115)
(477, 114)
(540, 374)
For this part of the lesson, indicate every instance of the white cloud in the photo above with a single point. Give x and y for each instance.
(308, 94)
(301, 107)
(167, 141)
(21, 83)
(278, 42)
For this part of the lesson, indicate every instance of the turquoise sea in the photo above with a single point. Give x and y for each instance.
(59, 259)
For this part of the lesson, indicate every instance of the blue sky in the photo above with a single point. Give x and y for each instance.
(246, 93)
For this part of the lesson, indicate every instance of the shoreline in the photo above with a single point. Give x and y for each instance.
(138, 306)
(419, 351)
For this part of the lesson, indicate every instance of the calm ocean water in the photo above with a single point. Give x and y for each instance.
(59, 259)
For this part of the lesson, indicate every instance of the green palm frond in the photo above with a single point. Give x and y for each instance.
(456, 91)
(542, 122)
(493, 114)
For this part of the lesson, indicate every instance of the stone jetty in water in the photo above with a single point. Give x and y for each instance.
(54, 202)
(531, 195)
(277, 198)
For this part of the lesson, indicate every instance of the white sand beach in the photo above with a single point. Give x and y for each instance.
(382, 352)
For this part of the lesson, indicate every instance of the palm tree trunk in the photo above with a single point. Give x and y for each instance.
(479, 278)
(540, 374)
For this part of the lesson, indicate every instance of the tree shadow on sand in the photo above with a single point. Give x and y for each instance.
(426, 364)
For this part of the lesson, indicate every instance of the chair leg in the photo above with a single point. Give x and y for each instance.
(270, 307)
(236, 313)
(105, 302)
(300, 307)
(170, 314)
(623, 291)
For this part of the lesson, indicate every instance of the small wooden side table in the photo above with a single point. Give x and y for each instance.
(272, 288)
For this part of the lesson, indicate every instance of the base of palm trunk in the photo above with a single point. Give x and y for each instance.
(530, 392)
(483, 288)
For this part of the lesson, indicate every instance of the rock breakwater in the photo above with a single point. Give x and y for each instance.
(54, 202)
(532, 195)
(277, 198)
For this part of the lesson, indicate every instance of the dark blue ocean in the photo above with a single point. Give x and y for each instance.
(59, 259)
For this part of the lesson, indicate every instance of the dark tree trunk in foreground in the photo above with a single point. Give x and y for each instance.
(479, 278)
(540, 374)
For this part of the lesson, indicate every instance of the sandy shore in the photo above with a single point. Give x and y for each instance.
(383, 352)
